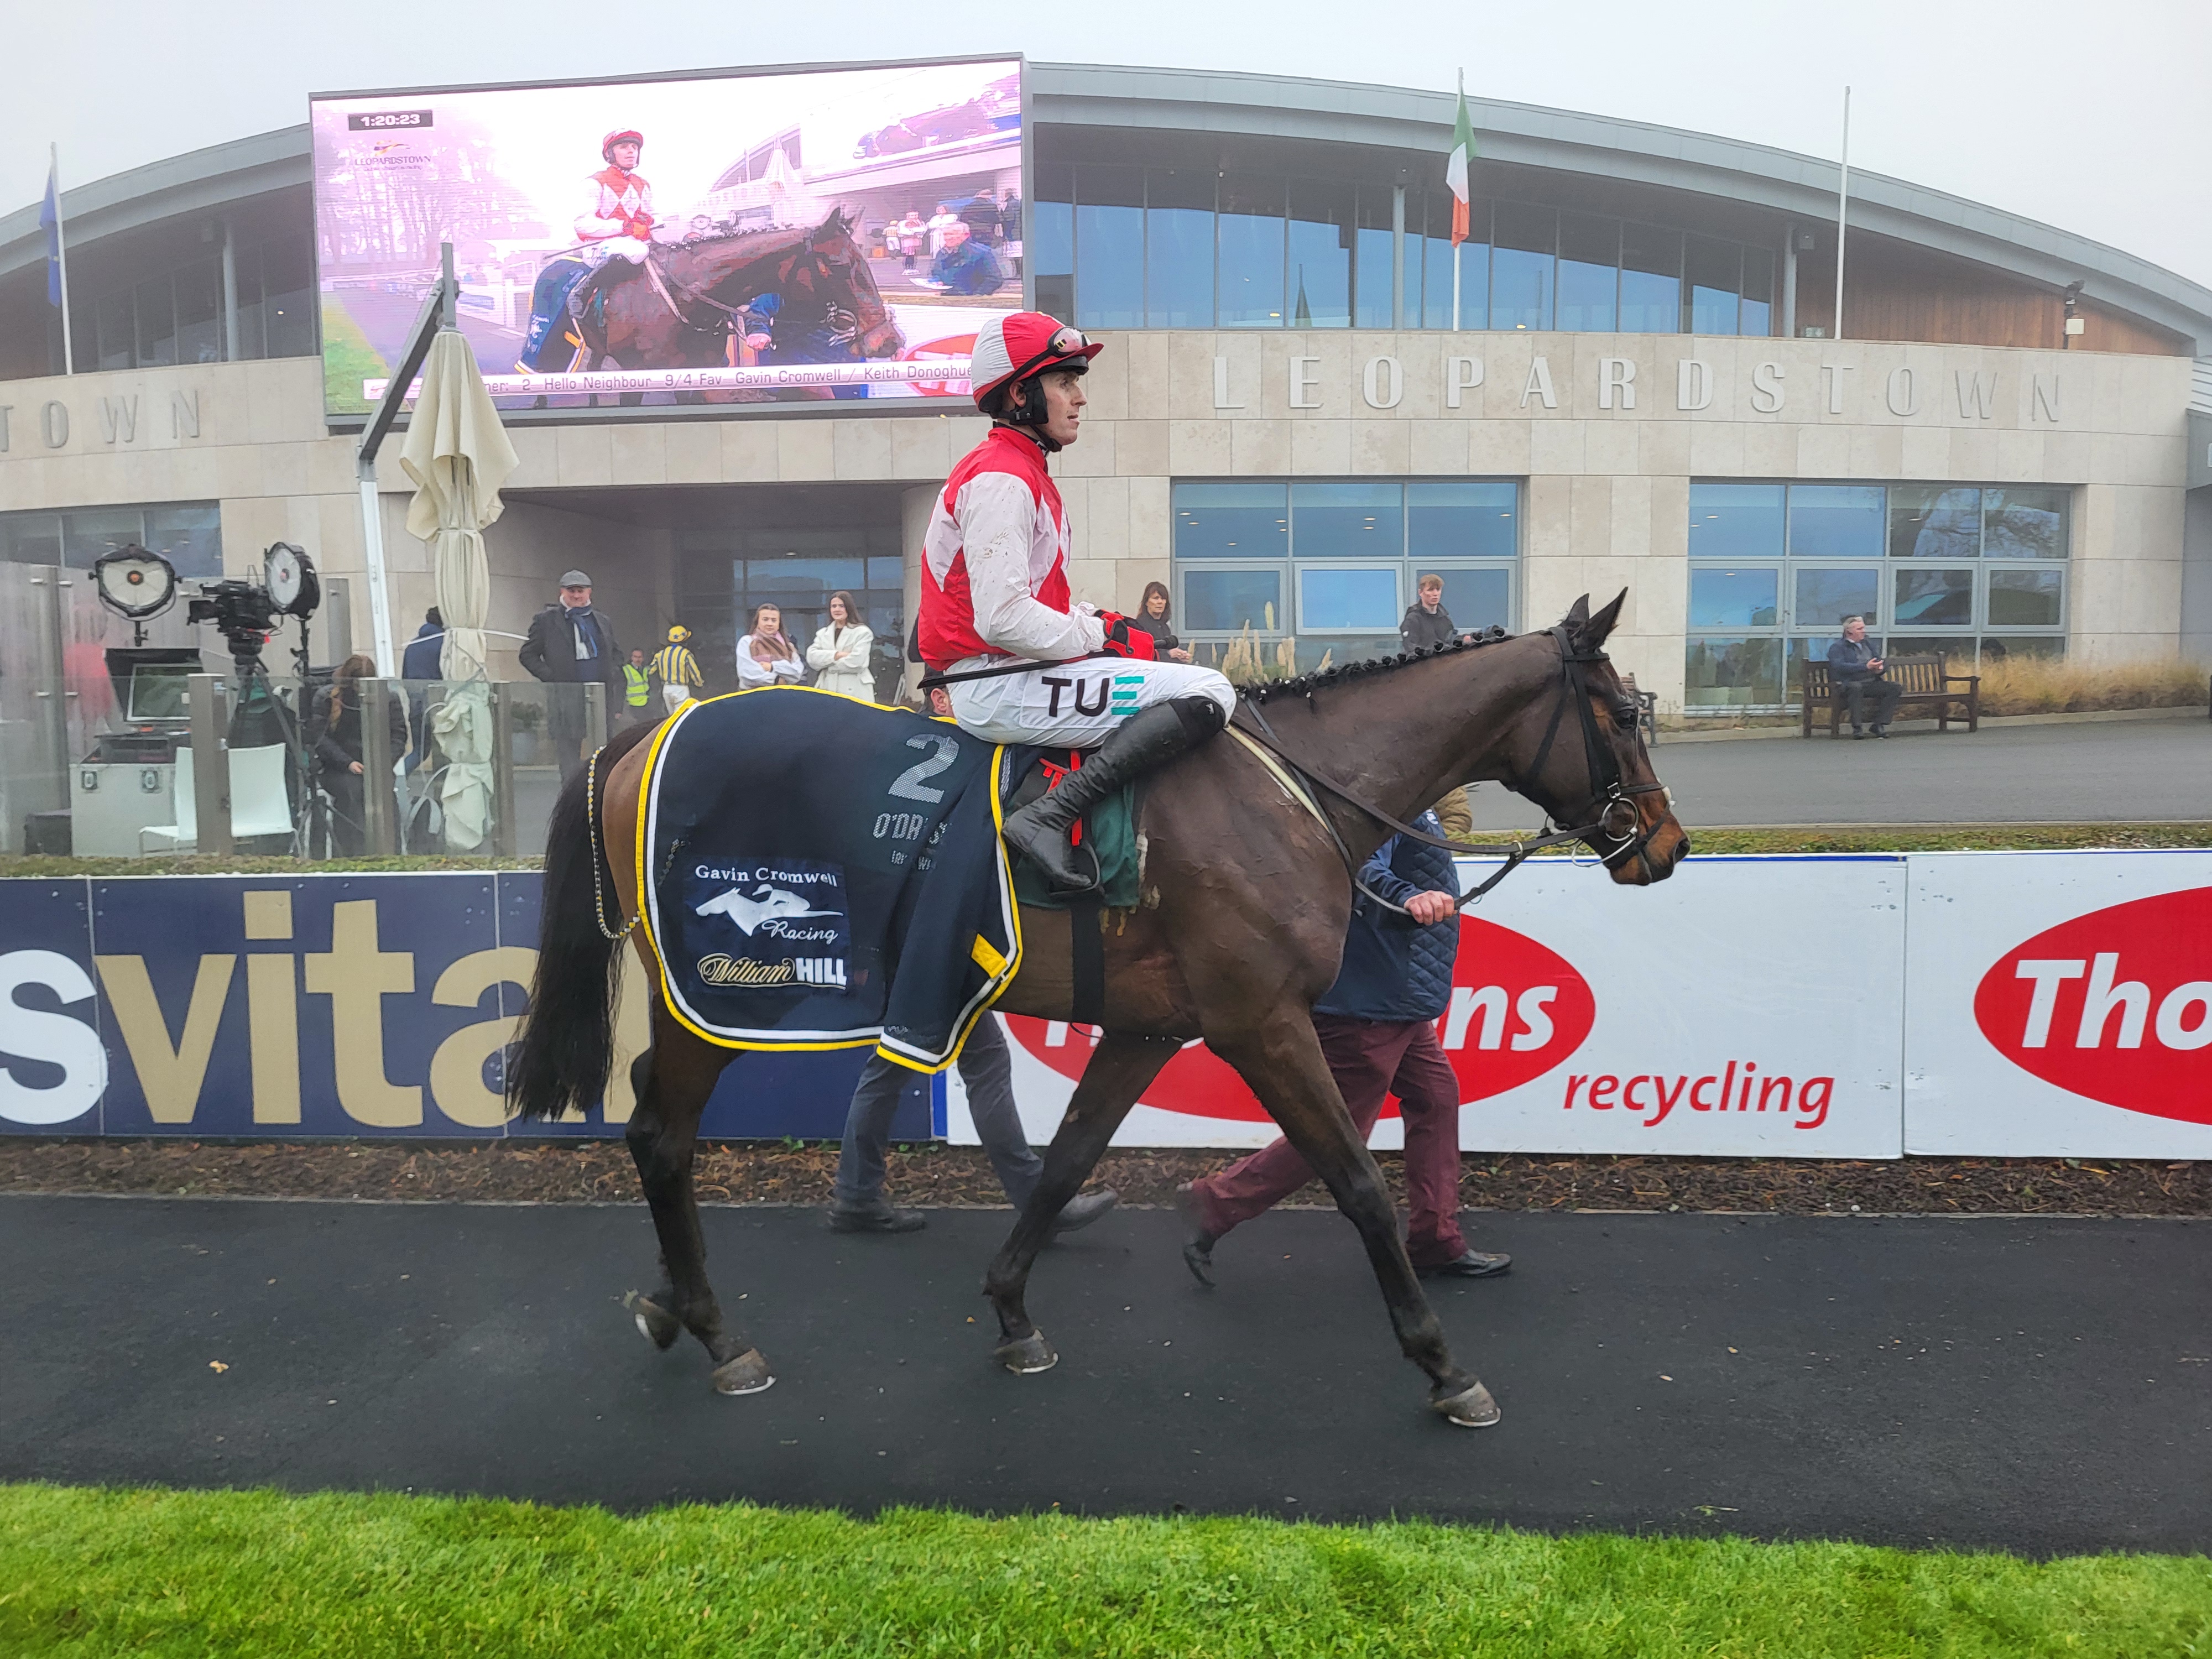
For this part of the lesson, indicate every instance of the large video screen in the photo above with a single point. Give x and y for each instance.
(772, 238)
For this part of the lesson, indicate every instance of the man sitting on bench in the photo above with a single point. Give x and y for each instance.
(1857, 675)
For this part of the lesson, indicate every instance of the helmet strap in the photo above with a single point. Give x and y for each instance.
(1028, 417)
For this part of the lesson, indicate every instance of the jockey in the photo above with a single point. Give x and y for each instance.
(994, 590)
(618, 222)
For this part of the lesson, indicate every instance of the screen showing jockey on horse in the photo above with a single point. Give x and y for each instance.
(766, 237)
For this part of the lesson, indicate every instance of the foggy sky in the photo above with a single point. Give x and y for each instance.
(2093, 119)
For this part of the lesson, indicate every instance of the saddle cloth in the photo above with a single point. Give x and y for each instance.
(804, 848)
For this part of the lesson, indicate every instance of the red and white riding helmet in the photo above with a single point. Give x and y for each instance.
(626, 135)
(1015, 344)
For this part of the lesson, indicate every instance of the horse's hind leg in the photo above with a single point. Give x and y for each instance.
(678, 1074)
(1284, 1063)
(1120, 1068)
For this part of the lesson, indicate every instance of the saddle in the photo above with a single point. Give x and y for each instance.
(1108, 829)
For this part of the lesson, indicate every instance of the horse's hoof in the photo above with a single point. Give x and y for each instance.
(1471, 1408)
(654, 1322)
(1026, 1356)
(747, 1373)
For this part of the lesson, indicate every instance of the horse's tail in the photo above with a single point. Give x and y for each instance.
(568, 1037)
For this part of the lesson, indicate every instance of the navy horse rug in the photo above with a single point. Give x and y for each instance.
(821, 873)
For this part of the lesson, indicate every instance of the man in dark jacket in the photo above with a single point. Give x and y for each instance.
(570, 644)
(420, 661)
(1426, 625)
(1378, 1028)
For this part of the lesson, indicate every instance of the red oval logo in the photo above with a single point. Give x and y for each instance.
(1518, 1008)
(2116, 1006)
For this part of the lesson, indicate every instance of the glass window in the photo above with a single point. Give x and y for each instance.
(1715, 270)
(247, 262)
(889, 573)
(1732, 673)
(1109, 247)
(1471, 259)
(1523, 265)
(1179, 249)
(1250, 258)
(1231, 521)
(2025, 598)
(2048, 647)
(190, 536)
(1475, 597)
(86, 536)
(1933, 598)
(1051, 248)
(1348, 521)
(1590, 272)
(2024, 524)
(118, 330)
(1321, 254)
(156, 301)
(1339, 599)
(1736, 521)
(199, 312)
(1456, 520)
(1650, 280)
(1825, 594)
(1835, 521)
(1928, 521)
(1227, 600)
(1958, 653)
(1370, 285)
(1758, 291)
(288, 305)
(1723, 597)
(31, 538)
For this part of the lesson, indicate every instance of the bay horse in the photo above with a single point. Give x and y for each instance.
(676, 313)
(1247, 889)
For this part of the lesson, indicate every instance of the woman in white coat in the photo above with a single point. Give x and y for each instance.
(839, 655)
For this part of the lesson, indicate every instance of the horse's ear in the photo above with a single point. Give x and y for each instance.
(1590, 631)
(833, 226)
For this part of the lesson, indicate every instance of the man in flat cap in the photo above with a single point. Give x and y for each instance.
(571, 644)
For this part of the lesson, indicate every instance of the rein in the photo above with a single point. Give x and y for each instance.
(1607, 790)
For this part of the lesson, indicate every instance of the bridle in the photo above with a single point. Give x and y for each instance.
(1616, 833)
(843, 324)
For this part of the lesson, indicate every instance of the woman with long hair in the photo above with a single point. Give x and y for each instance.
(839, 655)
(334, 735)
(1153, 617)
(765, 657)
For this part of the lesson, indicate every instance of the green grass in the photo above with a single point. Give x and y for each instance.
(348, 360)
(253, 1573)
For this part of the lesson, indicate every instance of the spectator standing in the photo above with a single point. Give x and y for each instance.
(940, 221)
(764, 656)
(964, 265)
(335, 738)
(570, 644)
(637, 689)
(1857, 673)
(420, 661)
(986, 1069)
(1377, 1028)
(676, 670)
(1153, 617)
(913, 236)
(1426, 625)
(839, 654)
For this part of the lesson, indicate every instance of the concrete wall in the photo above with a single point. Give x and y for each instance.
(1608, 477)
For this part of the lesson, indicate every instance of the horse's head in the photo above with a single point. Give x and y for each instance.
(1578, 754)
(849, 289)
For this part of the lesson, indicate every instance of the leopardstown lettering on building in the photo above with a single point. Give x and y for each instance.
(1686, 385)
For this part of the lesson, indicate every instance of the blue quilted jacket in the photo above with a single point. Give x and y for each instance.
(1394, 967)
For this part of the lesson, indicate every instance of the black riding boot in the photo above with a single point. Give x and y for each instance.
(1143, 743)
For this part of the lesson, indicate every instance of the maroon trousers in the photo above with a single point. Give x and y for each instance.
(1368, 1061)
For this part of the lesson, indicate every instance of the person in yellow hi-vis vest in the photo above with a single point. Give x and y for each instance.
(635, 689)
(677, 669)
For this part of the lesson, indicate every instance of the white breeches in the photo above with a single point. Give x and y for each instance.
(1079, 704)
(596, 254)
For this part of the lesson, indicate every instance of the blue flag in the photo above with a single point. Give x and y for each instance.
(50, 221)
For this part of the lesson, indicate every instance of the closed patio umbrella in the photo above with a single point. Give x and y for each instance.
(457, 455)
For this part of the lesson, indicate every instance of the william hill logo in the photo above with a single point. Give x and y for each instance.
(719, 969)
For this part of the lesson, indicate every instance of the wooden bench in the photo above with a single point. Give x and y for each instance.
(1924, 683)
(1647, 708)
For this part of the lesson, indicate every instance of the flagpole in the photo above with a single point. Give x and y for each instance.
(61, 257)
(1470, 186)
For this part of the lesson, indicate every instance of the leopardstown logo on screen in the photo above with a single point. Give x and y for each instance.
(1518, 1008)
(2115, 1006)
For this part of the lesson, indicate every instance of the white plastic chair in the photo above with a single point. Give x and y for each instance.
(258, 803)
(184, 833)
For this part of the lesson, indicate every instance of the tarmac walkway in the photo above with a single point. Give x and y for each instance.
(2034, 1384)
(2152, 771)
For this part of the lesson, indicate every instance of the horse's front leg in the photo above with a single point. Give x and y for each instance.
(678, 1074)
(1284, 1063)
(1120, 1067)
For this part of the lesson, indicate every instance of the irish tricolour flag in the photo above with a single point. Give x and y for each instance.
(1456, 169)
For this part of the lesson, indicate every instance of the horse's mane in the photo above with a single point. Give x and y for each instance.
(1304, 684)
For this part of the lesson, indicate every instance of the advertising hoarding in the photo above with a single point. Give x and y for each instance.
(2061, 1005)
(767, 238)
(1690, 1019)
